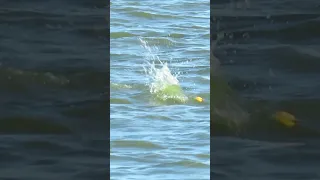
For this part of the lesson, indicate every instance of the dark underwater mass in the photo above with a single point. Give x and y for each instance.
(265, 96)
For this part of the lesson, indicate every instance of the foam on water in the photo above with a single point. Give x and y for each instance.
(162, 83)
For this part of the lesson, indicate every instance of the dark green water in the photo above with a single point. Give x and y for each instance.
(269, 58)
(53, 84)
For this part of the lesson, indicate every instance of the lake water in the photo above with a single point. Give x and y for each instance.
(53, 90)
(160, 61)
(269, 55)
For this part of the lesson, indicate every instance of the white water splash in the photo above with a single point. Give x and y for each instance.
(158, 73)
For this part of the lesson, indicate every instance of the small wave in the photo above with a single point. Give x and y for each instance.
(119, 101)
(119, 86)
(115, 35)
(176, 35)
(16, 79)
(264, 17)
(44, 145)
(158, 41)
(199, 3)
(96, 173)
(184, 163)
(135, 144)
(294, 58)
(203, 156)
(18, 13)
(158, 117)
(44, 162)
(7, 155)
(206, 36)
(217, 174)
(29, 125)
(95, 32)
(200, 27)
(148, 15)
(284, 31)
(19, 80)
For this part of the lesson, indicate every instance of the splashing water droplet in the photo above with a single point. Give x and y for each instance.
(162, 83)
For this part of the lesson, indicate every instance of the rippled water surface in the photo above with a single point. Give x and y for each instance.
(269, 61)
(158, 129)
(53, 84)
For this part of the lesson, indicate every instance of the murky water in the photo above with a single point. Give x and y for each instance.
(269, 62)
(53, 90)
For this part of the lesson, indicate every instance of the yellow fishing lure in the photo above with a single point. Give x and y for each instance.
(285, 118)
